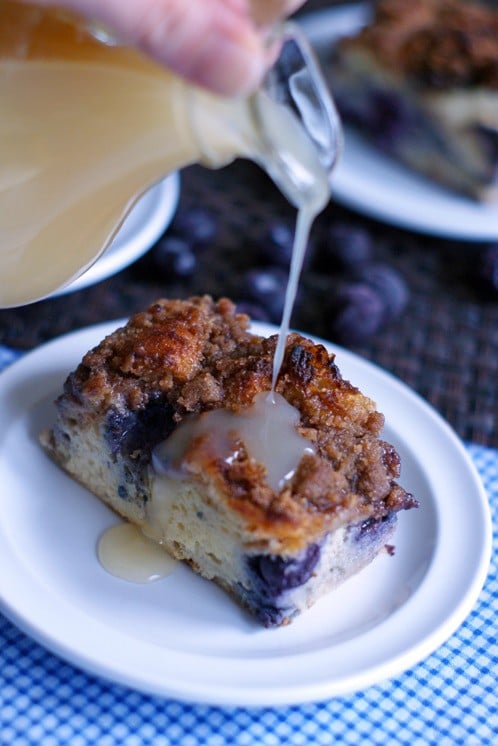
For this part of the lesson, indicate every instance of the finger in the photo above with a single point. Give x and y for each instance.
(212, 43)
(267, 12)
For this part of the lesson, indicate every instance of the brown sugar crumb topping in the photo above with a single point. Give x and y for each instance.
(436, 43)
(198, 355)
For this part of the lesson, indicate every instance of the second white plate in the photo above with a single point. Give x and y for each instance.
(146, 222)
(183, 637)
(374, 184)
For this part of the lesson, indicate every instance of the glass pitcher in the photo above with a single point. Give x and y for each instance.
(87, 125)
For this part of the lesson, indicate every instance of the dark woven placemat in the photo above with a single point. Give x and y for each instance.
(444, 345)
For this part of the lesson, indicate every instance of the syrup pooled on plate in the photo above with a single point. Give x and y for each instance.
(124, 551)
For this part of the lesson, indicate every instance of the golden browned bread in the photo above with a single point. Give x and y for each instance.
(275, 547)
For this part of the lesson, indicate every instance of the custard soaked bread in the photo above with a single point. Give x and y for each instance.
(277, 498)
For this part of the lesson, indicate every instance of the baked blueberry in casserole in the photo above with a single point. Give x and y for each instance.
(162, 421)
(420, 81)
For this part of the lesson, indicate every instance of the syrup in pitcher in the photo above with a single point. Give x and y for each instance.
(88, 125)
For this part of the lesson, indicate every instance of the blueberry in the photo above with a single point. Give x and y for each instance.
(487, 268)
(389, 284)
(300, 363)
(274, 248)
(277, 243)
(346, 247)
(196, 225)
(254, 311)
(134, 434)
(372, 528)
(390, 117)
(174, 257)
(266, 287)
(280, 243)
(274, 574)
(489, 139)
(268, 614)
(357, 312)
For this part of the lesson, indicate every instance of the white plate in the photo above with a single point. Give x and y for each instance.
(182, 636)
(143, 226)
(372, 183)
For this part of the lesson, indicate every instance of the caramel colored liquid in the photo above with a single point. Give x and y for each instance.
(83, 132)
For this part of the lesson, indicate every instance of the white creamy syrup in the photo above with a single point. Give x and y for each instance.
(305, 218)
(124, 551)
(259, 428)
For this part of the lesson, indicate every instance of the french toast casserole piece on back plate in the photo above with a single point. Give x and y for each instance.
(420, 81)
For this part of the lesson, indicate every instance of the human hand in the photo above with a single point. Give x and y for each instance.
(219, 44)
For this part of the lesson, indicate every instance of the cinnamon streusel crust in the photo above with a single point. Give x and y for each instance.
(180, 359)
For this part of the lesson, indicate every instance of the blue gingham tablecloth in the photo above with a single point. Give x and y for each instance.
(450, 698)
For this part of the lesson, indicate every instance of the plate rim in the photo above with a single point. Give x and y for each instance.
(230, 693)
(480, 221)
(161, 201)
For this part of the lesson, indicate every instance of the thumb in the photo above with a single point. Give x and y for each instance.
(212, 43)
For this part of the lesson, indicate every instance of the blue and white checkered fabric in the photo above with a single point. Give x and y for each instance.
(450, 698)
